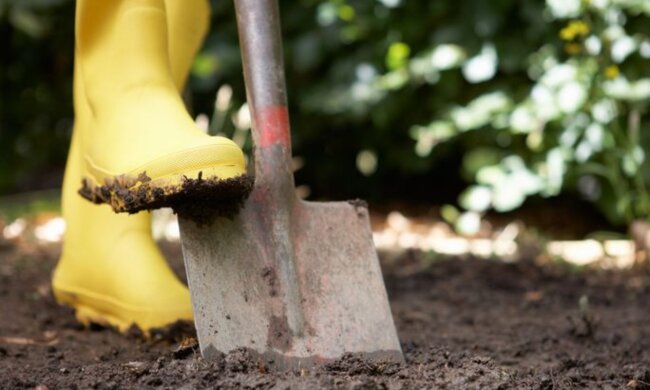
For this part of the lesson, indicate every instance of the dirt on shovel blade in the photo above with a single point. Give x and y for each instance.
(463, 323)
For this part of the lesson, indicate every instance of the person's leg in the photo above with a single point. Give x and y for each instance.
(187, 24)
(111, 270)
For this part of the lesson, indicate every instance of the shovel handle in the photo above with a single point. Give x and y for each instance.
(258, 23)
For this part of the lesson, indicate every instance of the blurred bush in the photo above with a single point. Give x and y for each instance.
(506, 99)
(36, 54)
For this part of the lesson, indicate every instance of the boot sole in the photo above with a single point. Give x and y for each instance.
(88, 314)
(191, 195)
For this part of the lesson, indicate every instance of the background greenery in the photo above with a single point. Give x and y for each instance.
(486, 103)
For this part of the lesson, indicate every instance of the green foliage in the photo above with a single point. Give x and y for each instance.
(36, 45)
(576, 120)
(558, 91)
(519, 97)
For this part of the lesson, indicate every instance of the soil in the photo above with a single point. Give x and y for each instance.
(200, 199)
(463, 323)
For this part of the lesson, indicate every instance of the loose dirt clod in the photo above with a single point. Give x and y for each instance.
(186, 348)
(170, 334)
(583, 325)
(357, 364)
(200, 199)
(177, 332)
(242, 360)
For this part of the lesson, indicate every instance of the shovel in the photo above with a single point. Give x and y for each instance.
(295, 283)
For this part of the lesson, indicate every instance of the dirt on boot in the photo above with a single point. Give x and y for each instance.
(200, 199)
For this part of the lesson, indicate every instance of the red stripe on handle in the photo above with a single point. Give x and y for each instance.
(273, 125)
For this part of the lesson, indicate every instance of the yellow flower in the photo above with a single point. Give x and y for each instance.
(612, 72)
(575, 29)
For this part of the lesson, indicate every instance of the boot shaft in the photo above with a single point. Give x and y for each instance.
(122, 46)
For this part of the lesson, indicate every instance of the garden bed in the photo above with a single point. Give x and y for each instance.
(463, 323)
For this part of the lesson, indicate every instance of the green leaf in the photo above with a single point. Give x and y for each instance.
(397, 55)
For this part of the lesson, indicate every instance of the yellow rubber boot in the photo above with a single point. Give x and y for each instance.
(187, 25)
(141, 145)
(110, 270)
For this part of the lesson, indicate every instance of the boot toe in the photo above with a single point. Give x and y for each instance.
(209, 173)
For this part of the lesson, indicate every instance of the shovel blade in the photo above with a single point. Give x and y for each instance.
(295, 297)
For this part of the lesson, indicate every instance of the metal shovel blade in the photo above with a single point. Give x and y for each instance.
(325, 298)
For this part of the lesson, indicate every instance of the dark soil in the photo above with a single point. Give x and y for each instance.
(200, 199)
(463, 323)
